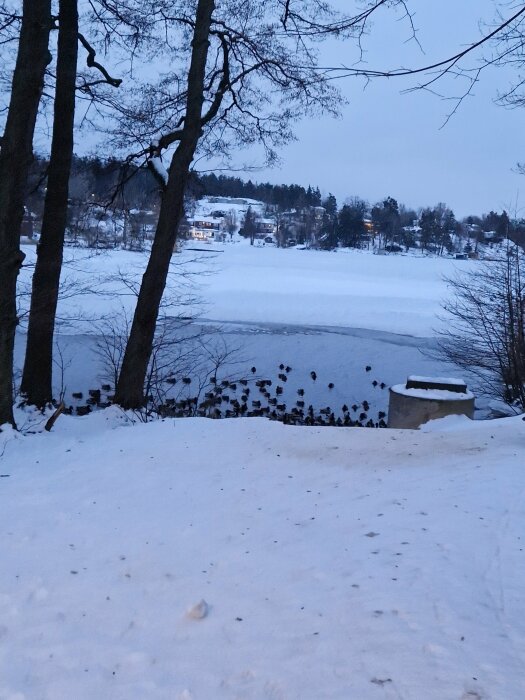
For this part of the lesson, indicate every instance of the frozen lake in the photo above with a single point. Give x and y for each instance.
(332, 313)
(250, 284)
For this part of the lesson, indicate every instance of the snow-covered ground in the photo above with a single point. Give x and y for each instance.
(335, 564)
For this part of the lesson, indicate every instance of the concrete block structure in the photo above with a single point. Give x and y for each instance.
(426, 398)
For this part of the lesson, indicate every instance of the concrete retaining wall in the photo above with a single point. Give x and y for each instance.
(407, 410)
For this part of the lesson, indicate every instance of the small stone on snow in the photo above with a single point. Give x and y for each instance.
(198, 611)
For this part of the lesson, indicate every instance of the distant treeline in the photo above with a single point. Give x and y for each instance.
(98, 181)
(282, 196)
(111, 182)
(127, 187)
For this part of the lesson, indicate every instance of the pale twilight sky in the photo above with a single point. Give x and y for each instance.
(387, 143)
(390, 144)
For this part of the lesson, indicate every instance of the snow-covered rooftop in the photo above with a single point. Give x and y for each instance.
(205, 220)
(432, 394)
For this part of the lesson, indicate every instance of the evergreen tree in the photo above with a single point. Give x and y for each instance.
(328, 233)
(249, 228)
(430, 229)
(330, 205)
(385, 217)
(496, 222)
(350, 224)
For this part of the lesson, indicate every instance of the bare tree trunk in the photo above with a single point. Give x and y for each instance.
(130, 387)
(38, 366)
(15, 158)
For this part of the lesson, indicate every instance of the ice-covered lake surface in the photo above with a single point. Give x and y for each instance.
(350, 288)
(332, 313)
(255, 284)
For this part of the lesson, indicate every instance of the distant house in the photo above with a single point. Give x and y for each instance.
(289, 216)
(204, 228)
(266, 227)
(240, 201)
(492, 237)
(473, 230)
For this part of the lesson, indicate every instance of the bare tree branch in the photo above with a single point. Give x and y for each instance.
(92, 63)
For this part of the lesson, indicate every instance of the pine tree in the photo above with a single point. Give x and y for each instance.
(249, 228)
(350, 225)
(330, 205)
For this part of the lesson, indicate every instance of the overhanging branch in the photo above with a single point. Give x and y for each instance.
(93, 63)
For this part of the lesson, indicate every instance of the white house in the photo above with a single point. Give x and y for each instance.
(205, 228)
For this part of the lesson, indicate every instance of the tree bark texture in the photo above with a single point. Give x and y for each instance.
(15, 158)
(130, 387)
(38, 366)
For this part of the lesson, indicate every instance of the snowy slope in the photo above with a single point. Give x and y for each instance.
(207, 205)
(336, 564)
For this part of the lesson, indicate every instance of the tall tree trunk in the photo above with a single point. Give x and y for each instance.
(38, 366)
(15, 159)
(130, 387)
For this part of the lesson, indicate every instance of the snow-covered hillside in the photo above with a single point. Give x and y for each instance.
(335, 564)
(207, 205)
